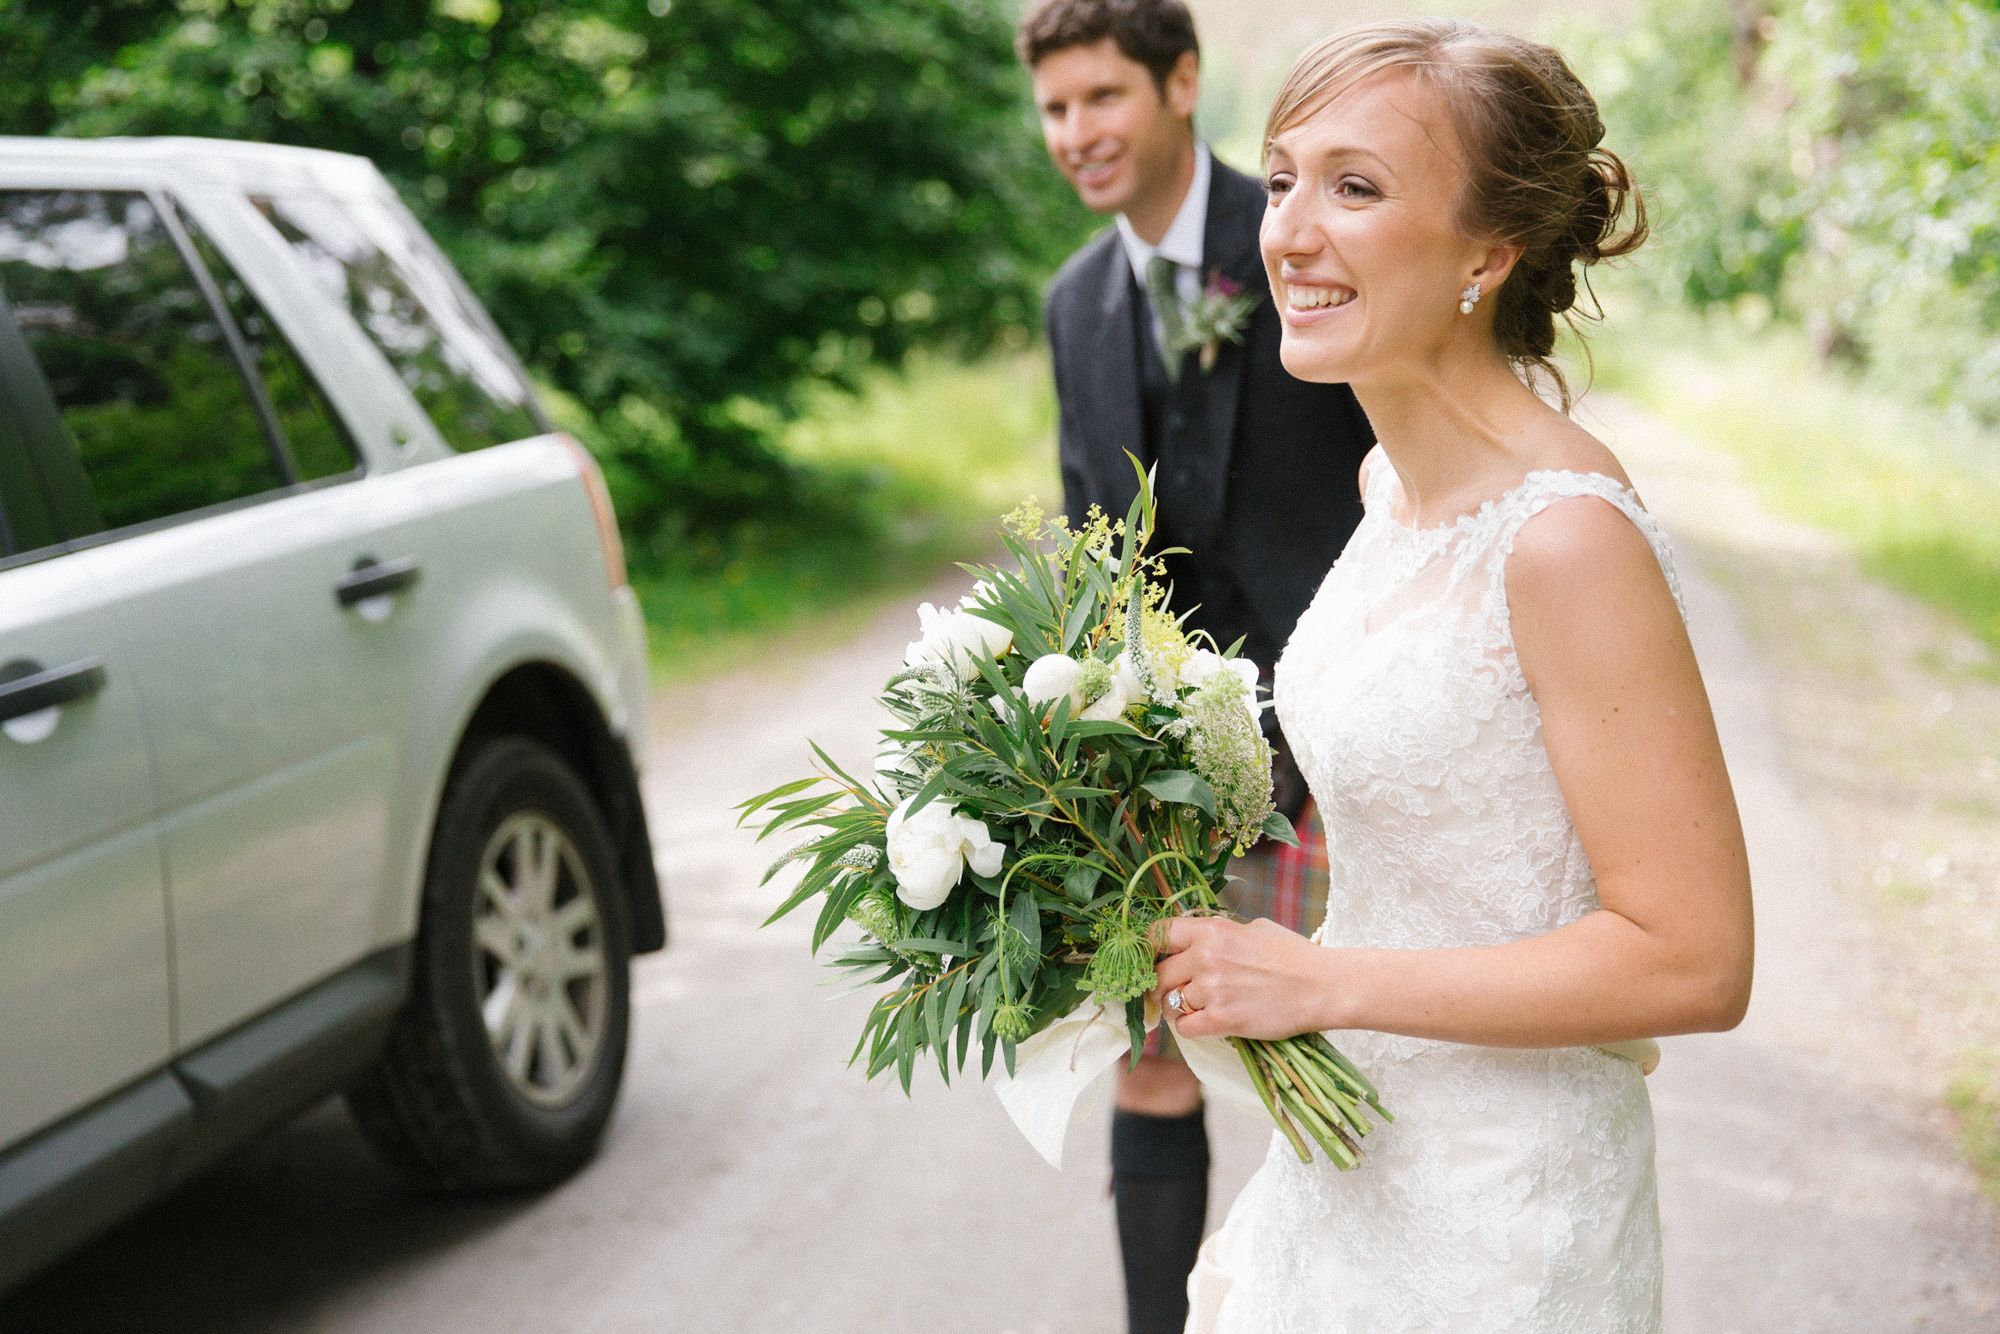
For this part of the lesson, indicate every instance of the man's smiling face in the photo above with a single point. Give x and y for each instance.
(1114, 132)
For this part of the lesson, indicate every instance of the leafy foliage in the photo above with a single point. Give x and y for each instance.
(681, 213)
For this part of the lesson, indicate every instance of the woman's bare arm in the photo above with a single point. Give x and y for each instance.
(1632, 742)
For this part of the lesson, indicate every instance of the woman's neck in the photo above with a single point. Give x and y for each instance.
(1455, 435)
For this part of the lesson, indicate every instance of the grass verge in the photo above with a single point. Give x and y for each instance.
(1975, 1096)
(914, 473)
(1915, 491)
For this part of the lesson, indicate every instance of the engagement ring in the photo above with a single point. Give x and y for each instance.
(1174, 1001)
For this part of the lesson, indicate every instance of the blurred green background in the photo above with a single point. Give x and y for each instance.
(778, 261)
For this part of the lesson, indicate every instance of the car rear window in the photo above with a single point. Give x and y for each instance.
(139, 365)
(319, 443)
(26, 523)
(411, 306)
(17, 489)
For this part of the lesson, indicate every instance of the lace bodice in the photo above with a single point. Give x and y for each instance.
(1406, 707)
(1515, 1193)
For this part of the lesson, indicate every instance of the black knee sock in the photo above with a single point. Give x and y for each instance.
(1159, 1181)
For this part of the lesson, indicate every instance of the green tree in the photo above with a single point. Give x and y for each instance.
(1835, 161)
(681, 213)
(1894, 106)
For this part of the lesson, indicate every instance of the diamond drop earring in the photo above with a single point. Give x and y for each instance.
(1469, 298)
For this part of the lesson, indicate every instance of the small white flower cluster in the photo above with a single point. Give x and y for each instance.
(864, 858)
(930, 848)
(1203, 665)
(1229, 752)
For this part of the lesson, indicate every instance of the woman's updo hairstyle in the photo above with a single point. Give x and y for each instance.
(1537, 175)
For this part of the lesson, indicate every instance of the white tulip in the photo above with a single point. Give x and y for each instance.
(928, 852)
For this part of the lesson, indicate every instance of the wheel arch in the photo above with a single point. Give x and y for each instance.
(543, 701)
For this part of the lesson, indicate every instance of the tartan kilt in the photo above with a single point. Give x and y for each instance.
(1287, 885)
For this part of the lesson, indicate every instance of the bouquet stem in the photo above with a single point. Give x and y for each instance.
(1305, 1082)
(1253, 1062)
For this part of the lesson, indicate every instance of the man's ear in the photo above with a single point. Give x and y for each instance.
(1183, 87)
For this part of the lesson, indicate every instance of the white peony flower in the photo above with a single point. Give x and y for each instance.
(991, 637)
(928, 852)
(1054, 676)
(1124, 691)
(951, 637)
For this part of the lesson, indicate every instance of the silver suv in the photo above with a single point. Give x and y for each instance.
(321, 690)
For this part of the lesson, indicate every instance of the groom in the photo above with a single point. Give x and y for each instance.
(1254, 472)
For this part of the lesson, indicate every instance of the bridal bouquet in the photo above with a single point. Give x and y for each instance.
(1068, 767)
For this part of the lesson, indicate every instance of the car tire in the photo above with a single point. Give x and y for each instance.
(453, 1101)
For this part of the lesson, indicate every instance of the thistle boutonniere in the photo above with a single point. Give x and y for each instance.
(1219, 315)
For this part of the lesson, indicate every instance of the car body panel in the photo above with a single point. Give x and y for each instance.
(523, 584)
(277, 720)
(84, 995)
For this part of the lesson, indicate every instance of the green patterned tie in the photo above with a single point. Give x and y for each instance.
(1163, 291)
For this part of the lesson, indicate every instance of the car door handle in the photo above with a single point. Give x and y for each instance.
(29, 689)
(372, 578)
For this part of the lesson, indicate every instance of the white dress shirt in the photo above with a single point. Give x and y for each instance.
(1182, 243)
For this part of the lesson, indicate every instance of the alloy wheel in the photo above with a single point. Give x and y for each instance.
(539, 969)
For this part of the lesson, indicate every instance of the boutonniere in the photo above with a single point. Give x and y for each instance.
(1219, 315)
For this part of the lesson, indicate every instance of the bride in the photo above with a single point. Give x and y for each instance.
(1535, 847)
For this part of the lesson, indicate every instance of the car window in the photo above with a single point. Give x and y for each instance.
(366, 258)
(13, 489)
(149, 392)
(319, 443)
(25, 521)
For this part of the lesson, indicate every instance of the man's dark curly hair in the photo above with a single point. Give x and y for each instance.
(1155, 33)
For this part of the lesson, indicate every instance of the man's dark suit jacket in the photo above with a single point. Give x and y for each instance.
(1255, 470)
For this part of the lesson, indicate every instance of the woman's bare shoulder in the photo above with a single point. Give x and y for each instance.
(1560, 445)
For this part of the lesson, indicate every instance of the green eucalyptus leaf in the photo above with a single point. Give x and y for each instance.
(1277, 828)
(934, 945)
(754, 804)
(1184, 787)
(1080, 880)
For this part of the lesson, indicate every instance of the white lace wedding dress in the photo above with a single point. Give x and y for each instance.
(1514, 1193)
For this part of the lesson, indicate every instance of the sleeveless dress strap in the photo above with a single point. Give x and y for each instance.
(1380, 471)
(1539, 490)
